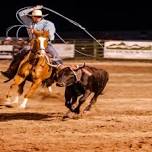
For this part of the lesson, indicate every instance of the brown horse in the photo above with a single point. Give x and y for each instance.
(35, 64)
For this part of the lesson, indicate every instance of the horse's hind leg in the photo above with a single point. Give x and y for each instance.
(20, 88)
(17, 81)
(30, 92)
(20, 92)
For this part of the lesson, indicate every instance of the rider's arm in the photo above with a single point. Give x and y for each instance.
(51, 28)
(24, 14)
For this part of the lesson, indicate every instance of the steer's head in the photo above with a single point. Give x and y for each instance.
(68, 75)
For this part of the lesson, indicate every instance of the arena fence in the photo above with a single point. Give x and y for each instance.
(120, 49)
(87, 49)
(74, 48)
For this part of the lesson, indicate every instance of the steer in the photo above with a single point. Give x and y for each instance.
(83, 81)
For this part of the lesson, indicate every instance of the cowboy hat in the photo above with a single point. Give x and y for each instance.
(38, 12)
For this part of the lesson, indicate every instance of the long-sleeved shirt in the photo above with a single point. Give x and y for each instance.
(41, 25)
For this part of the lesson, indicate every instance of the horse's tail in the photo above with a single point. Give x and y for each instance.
(7, 80)
(7, 75)
(4, 74)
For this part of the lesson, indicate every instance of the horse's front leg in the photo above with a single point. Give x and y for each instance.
(8, 101)
(30, 92)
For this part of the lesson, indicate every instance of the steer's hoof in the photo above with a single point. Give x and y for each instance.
(77, 111)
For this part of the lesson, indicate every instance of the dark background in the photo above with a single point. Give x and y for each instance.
(95, 16)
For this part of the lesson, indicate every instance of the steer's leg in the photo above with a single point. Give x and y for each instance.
(81, 101)
(70, 98)
(93, 101)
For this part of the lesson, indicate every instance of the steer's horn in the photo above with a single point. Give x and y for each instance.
(80, 66)
(58, 67)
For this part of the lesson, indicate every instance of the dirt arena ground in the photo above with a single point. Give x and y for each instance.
(121, 120)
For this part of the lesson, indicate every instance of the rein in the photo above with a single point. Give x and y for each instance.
(42, 53)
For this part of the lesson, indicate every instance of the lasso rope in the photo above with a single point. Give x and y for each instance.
(66, 18)
(17, 16)
(73, 22)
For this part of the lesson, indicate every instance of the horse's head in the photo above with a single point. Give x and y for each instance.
(40, 40)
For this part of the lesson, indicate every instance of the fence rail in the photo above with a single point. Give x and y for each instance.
(82, 48)
(88, 49)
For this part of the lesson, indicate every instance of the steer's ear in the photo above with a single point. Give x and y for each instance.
(79, 67)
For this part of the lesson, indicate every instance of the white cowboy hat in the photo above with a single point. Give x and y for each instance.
(37, 12)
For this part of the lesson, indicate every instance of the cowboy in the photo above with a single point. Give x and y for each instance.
(35, 20)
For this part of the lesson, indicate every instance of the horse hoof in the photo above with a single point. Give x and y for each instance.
(22, 106)
(50, 89)
(8, 104)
